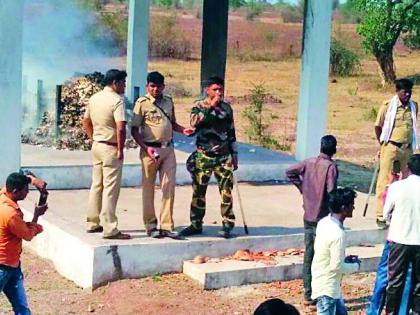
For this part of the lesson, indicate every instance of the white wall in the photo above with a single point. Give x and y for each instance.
(10, 85)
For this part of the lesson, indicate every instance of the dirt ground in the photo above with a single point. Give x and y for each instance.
(49, 293)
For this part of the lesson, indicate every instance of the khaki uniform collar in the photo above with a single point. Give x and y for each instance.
(109, 89)
(6, 200)
(151, 98)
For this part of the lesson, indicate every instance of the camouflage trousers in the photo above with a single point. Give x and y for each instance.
(222, 168)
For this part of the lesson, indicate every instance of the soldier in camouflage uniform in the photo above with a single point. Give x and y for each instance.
(216, 153)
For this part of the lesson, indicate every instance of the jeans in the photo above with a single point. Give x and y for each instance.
(11, 283)
(377, 301)
(326, 305)
(309, 236)
(400, 256)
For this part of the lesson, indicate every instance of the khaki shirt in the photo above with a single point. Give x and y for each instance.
(402, 131)
(154, 125)
(105, 109)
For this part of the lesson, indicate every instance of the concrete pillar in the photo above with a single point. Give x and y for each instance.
(137, 48)
(214, 39)
(313, 97)
(11, 15)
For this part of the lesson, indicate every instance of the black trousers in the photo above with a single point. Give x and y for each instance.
(309, 236)
(400, 256)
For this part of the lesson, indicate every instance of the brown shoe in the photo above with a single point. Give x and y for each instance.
(118, 236)
(98, 229)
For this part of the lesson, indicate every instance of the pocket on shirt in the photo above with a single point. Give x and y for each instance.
(154, 117)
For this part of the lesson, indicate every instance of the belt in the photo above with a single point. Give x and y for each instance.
(8, 268)
(162, 145)
(211, 154)
(399, 145)
(108, 143)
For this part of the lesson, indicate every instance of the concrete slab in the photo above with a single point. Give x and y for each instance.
(274, 221)
(64, 169)
(221, 273)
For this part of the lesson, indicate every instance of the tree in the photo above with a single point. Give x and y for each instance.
(235, 4)
(383, 21)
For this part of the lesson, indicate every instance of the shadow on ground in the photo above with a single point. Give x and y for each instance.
(354, 176)
(357, 304)
(211, 231)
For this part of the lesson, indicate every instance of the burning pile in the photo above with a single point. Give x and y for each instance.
(75, 96)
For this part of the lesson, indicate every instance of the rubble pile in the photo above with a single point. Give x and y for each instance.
(267, 257)
(75, 96)
(43, 135)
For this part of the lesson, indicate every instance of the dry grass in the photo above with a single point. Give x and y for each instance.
(350, 98)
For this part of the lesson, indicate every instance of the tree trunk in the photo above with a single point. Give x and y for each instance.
(386, 67)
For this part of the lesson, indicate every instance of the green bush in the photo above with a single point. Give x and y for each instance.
(117, 25)
(257, 127)
(167, 41)
(291, 14)
(370, 114)
(412, 40)
(343, 61)
(253, 9)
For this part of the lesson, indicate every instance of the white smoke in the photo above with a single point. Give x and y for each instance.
(59, 41)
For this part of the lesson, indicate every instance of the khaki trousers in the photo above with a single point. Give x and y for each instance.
(166, 165)
(389, 154)
(105, 189)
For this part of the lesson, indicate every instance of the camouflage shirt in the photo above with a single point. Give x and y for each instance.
(215, 128)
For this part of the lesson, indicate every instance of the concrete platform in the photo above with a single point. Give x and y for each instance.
(64, 169)
(273, 214)
(221, 273)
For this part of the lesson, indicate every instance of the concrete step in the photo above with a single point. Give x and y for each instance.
(63, 169)
(220, 273)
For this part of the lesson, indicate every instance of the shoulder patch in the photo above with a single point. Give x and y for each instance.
(143, 99)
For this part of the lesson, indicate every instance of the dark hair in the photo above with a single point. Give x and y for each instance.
(414, 164)
(339, 198)
(403, 84)
(214, 80)
(114, 75)
(275, 307)
(156, 78)
(328, 145)
(16, 181)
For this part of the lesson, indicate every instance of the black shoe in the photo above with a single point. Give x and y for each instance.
(153, 232)
(191, 230)
(381, 224)
(98, 229)
(171, 234)
(225, 232)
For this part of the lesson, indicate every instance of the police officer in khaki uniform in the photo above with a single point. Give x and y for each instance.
(396, 131)
(105, 124)
(152, 128)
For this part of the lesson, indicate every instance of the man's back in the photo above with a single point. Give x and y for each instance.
(316, 176)
(105, 109)
(403, 199)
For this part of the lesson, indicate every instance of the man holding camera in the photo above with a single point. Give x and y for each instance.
(152, 128)
(12, 230)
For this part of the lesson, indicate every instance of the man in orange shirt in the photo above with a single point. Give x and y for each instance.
(12, 230)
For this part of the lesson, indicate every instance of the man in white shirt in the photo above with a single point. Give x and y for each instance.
(403, 203)
(329, 263)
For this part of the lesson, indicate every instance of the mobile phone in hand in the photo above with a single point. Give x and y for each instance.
(43, 198)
